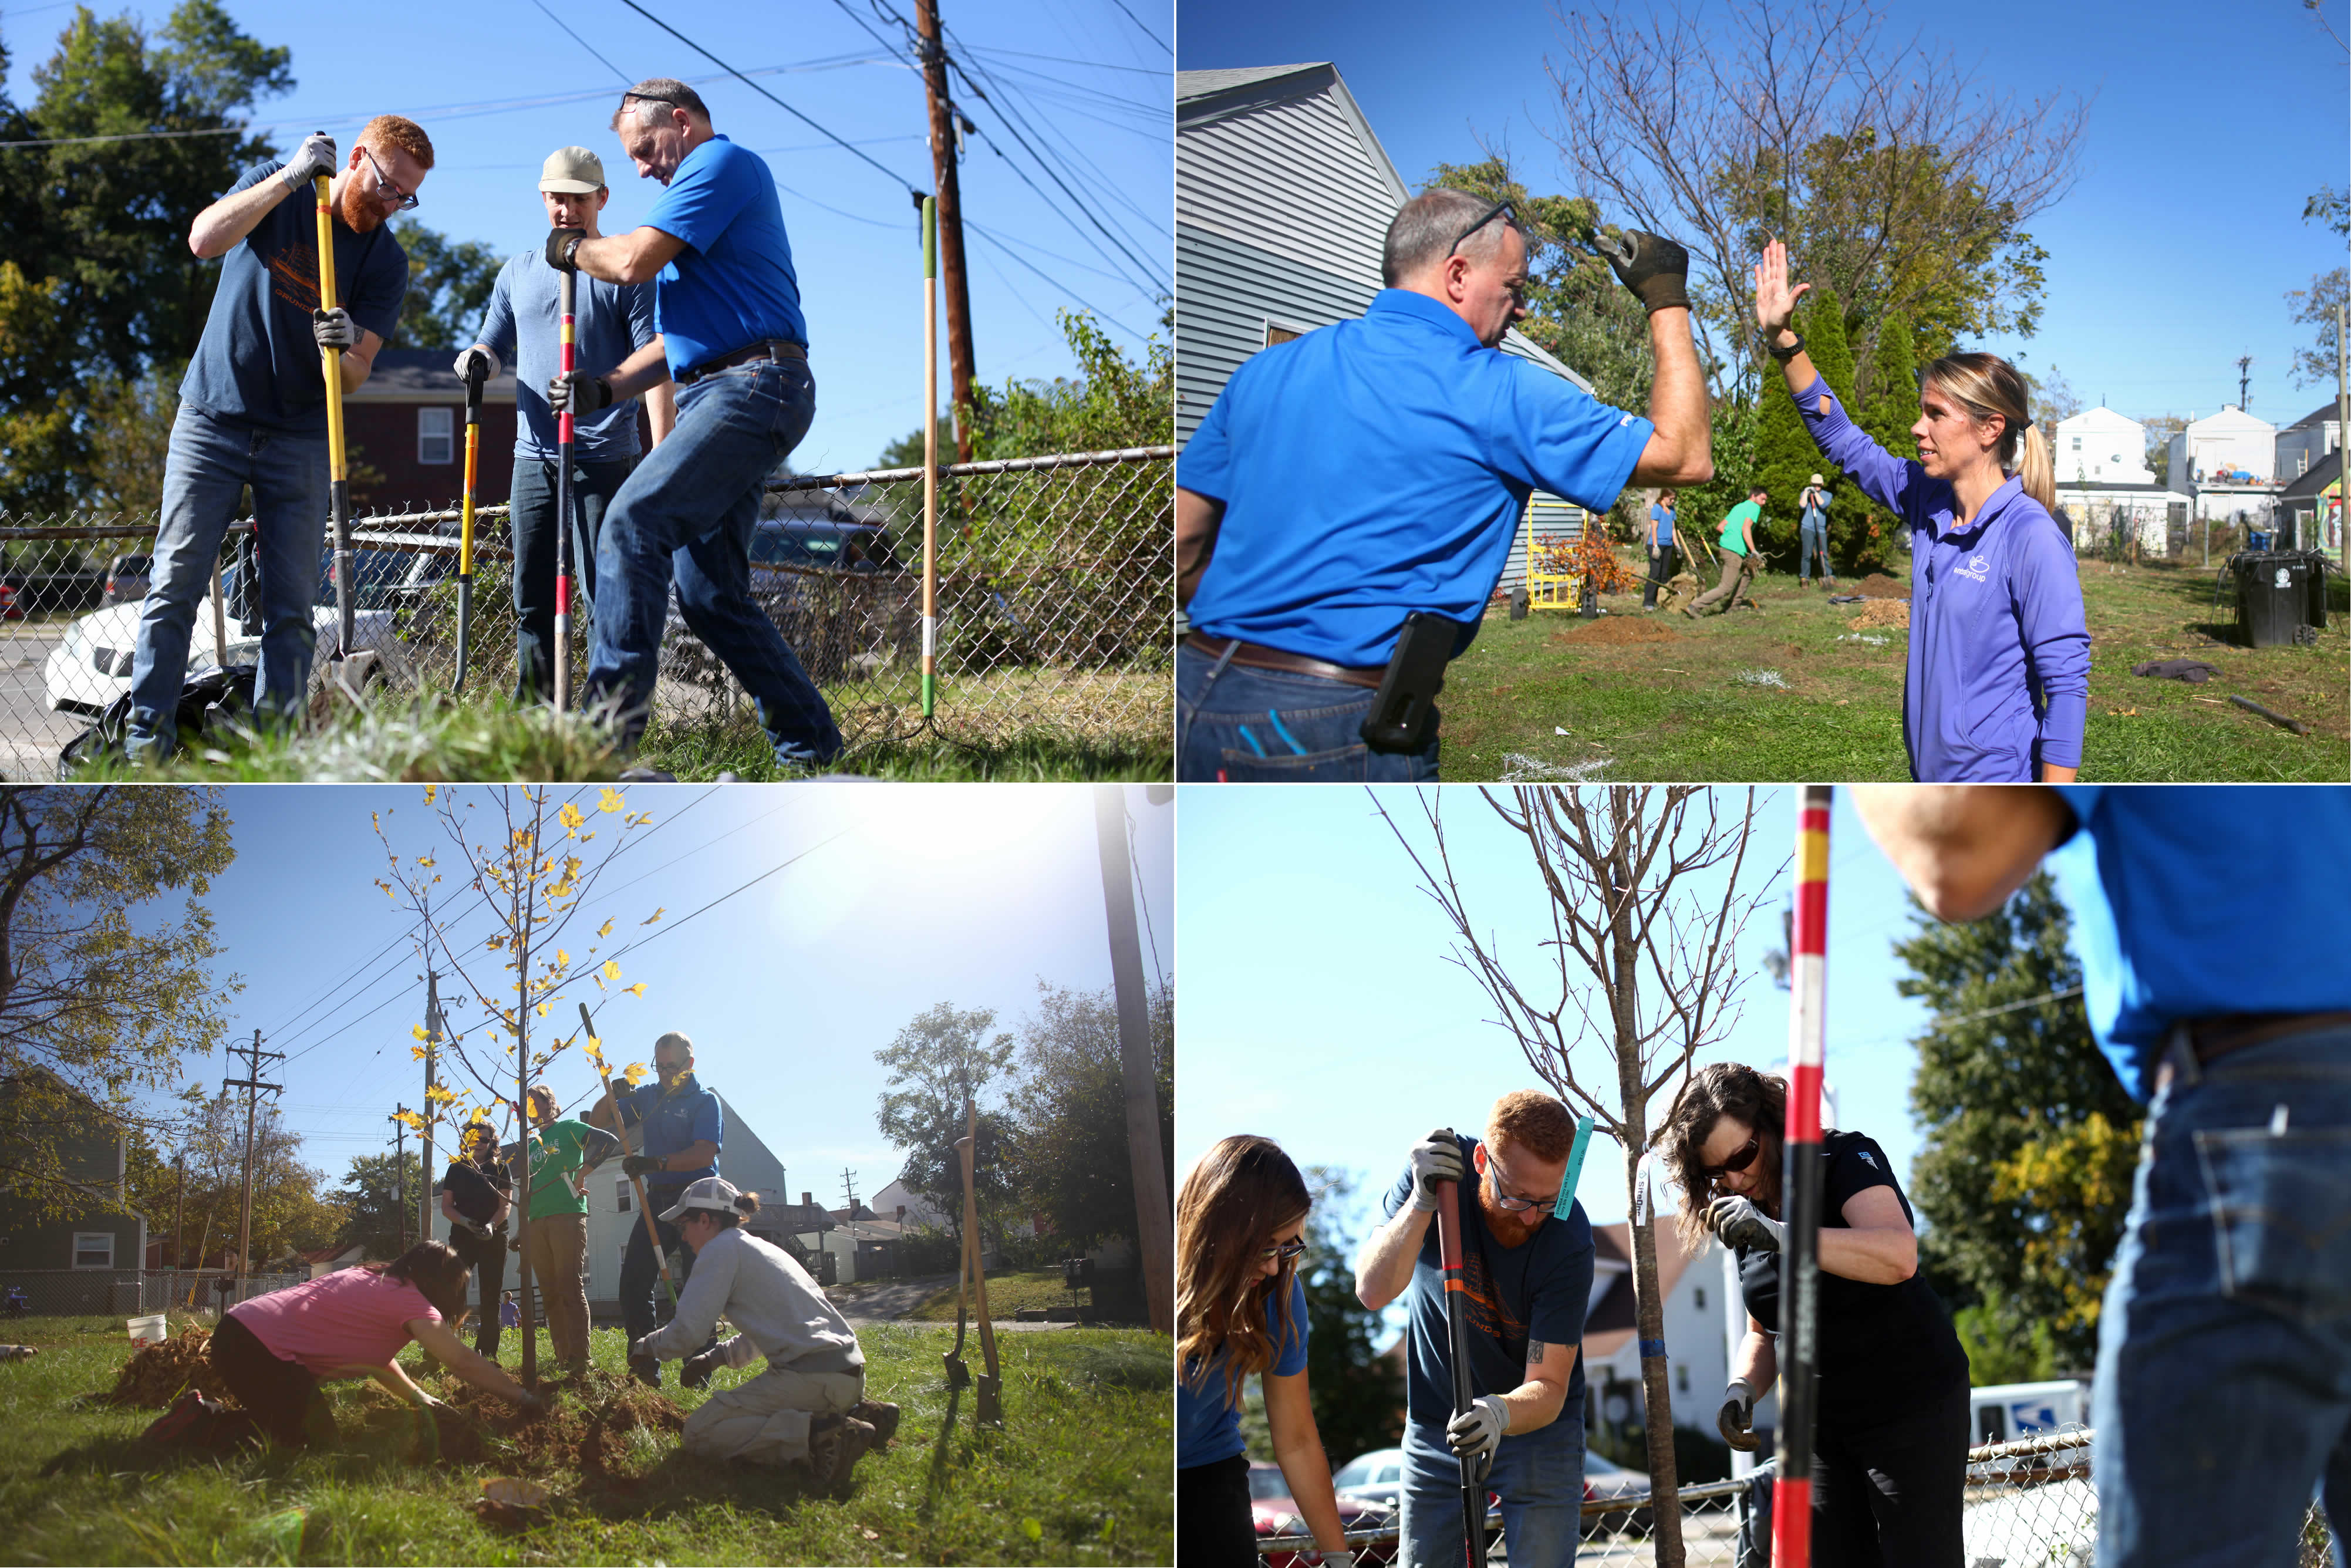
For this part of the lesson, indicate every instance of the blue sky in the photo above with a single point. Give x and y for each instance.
(2210, 127)
(963, 893)
(497, 86)
(1319, 1007)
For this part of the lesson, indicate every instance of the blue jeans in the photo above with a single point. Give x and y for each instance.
(1538, 1474)
(690, 509)
(2223, 1391)
(211, 462)
(1812, 539)
(593, 486)
(1247, 725)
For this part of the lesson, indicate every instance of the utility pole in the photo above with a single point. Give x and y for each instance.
(1146, 1158)
(2244, 377)
(254, 1087)
(961, 365)
(180, 1216)
(432, 1045)
(400, 1172)
(2342, 431)
(849, 1191)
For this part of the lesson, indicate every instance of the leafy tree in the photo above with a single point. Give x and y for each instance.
(449, 286)
(106, 983)
(2160, 429)
(1358, 1394)
(1862, 534)
(2023, 1178)
(1996, 1356)
(907, 452)
(128, 427)
(2316, 363)
(1112, 402)
(1068, 1109)
(1786, 457)
(379, 1199)
(941, 1056)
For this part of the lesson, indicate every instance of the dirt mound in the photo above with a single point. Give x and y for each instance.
(1884, 613)
(586, 1431)
(1877, 585)
(158, 1374)
(1616, 630)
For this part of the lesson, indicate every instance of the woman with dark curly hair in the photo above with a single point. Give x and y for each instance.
(1890, 1448)
(1241, 1308)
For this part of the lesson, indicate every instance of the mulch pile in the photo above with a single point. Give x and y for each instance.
(1877, 585)
(1616, 630)
(1895, 612)
(158, 1374)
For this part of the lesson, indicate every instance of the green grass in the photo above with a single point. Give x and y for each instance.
(1007, 1294)
(1081, 1472)
(1675, 707)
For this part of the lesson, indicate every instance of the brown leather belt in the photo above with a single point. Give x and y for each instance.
(772, 349)
(1258, 657)
(2213, 1038)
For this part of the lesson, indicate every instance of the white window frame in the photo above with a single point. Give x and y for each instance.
(429, 439)
(81, 1237)
(1289, 331)
(621, 1195)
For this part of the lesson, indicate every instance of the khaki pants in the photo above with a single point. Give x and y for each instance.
(766, 1420)
(559, 1267)
(1738, 573)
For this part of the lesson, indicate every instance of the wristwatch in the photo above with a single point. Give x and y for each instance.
(1789, 353)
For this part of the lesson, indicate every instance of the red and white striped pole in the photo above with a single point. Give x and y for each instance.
(1799, 1181)
(563, 432)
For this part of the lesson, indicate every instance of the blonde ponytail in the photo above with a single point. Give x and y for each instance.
(2036, 469)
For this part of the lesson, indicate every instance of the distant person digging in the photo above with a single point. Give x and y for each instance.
(1738, 543)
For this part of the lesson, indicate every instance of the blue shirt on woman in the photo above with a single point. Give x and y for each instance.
(1207, 1423)
(1999, 676)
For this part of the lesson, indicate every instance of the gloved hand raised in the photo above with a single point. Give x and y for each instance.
(1479, 1430)
(1743, 1226)
(335, 329)
(477, 355)
(315, 157)
(643, 1165)
(1654, 268)
(1736, 1419)
(581, 393)
(1435, 1158)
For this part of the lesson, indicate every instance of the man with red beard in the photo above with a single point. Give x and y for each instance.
(253, 406)
(1527, 1274)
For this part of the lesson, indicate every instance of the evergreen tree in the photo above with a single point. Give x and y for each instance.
(1786, 458)
(1864, 535)
(2025, 1173)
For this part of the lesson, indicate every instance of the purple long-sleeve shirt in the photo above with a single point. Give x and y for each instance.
(1999, 677)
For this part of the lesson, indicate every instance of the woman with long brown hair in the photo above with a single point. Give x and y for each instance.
(1997, 687)
(1240, 1226)
(1890, 1441)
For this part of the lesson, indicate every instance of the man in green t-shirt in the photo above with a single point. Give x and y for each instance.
(562, 1153)
(1738, 544)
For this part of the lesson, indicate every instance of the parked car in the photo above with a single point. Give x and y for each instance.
(91, 666)
(831, 585)
(1277, 1514)
(1378, 1477)
(126, 579)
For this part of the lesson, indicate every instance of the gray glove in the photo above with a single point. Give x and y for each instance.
(1743, 1226)
(1434, 1159)
(480, 355)
(1336, 1559)
(1654, 268)
(315, 157)
(1736, 1419)
(335, 329)
(581, 393)
(1479, 1430)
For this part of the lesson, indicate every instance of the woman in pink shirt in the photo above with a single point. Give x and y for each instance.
(274, 1351)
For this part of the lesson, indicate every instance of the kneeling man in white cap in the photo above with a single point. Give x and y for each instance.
(809, 1406)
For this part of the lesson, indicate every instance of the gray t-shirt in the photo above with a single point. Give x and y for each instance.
(524, 326)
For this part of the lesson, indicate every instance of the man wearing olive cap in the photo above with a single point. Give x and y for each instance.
(614, 332)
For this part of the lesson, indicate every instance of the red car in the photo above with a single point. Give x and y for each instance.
(1277, 1514)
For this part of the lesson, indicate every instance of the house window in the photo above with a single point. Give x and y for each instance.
(93, 1250)
(621, 1195)
(2077, 444)
(1698, 1297)
(1681, 1377)
(1277, 333)
(435, 439)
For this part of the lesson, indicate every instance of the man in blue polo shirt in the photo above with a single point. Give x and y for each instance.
(729, 306)
(1378, 467)
(1526, 1279)
(2209, 924)
(613, 322)
(253, 406)
(680, 1128)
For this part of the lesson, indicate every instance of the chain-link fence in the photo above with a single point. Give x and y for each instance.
(1054, 608)
(128, 1292)
(2029, 1502)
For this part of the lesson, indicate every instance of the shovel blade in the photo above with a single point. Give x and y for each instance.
(992, 1401)
(958, 1375)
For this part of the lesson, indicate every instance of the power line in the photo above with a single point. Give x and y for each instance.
(1112, 186)
(1064, 288)
(582, 42)
(1140, 27)
(1151, 71)
(1053, 255)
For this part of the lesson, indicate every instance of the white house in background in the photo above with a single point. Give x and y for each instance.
(2301, 445)
(2228, 464)
(923, 1211)
(2099, 444)
(1693, 1285)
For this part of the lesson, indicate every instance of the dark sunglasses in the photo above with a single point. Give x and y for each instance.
(1499, 209)
(1284, 1250)
(1740, 1158)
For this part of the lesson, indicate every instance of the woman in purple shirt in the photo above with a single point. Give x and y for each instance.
(1998, 684)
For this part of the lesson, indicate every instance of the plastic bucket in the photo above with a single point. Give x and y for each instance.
(155, 1327)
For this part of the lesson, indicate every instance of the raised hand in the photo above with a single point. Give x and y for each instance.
(1775, 299)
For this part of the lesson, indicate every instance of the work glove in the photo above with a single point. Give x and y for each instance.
(1477, 1431)
(1434, 1159)
(315, 157)
(1654, 268)
(562, 243)
(335, 329)
(1336, 1559)
(1743, 1226)
(696, 1370)
(641, 1165)
(1736, 1419)
(475, 355)
(581, 393)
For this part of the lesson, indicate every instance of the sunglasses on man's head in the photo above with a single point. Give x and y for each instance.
(1738, 1160)
(1502, 210)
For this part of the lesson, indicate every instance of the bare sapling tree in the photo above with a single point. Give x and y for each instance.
(1648, 891)
(526, 865)
(1895, 172)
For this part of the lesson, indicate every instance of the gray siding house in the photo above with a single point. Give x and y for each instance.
(1283, 196)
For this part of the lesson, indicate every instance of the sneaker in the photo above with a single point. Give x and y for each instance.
(187, 1421)
(835, 1445)
(882, 1418)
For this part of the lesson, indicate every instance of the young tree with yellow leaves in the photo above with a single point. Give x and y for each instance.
(526, 861)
